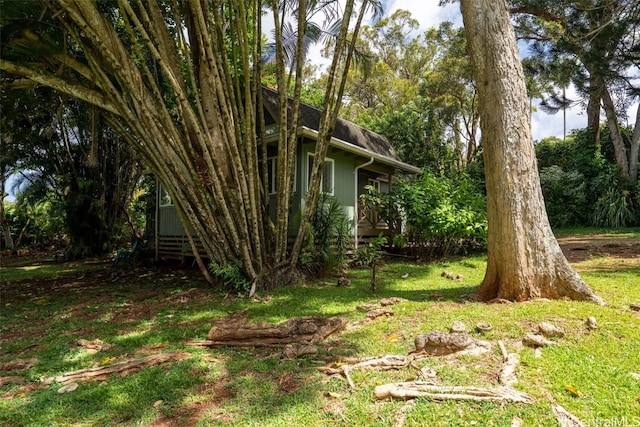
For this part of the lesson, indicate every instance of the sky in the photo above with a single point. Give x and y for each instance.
(429, 15)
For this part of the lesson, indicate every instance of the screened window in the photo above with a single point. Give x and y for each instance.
(327, 180)
(165, 198)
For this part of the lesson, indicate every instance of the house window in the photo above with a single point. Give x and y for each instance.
(326, 181)
(375, 184)
(272, 175)
(165, 198)
(272, 167)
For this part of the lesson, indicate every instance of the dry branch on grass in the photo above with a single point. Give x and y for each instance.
(438, 343)
(507, 375)
(236, 331)
(414, 389)
(19, 364)
(382, 363)
(565, 419)
(102, 373)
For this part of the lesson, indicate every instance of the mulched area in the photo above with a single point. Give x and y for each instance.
(582, 248)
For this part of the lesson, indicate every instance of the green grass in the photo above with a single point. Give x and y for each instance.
(17, 269)
(160, 311)
(612, 232)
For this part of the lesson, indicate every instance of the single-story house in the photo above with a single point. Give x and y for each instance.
(357, 157)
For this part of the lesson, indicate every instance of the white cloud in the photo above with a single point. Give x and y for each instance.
(428, 13)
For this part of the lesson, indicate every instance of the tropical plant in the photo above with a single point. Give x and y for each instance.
(231, 276)
(614, 209)
(329, 239)
(180, 82)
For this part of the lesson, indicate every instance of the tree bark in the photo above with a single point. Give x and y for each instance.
(524, 258)
(614, 132)
(6, 231)
(634, 152)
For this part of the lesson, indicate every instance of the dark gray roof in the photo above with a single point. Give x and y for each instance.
(345, 130)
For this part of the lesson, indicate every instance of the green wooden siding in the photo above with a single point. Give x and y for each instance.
(343, 187)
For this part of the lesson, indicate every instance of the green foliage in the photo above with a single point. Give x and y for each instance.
(445, 215)
(564, 195)
(581, 183)
(329, 239)
(371, 256)
(387, 204)
(33, 224)
(556, 152)
(415, 131)
(614, 209)
(232, 276)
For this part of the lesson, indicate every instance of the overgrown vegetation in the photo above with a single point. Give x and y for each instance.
(582, 185)
(444, 216)
(329, 239)
(146, 312)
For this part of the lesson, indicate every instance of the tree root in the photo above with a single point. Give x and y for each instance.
(102, 373)
(382, 363)
(414, 389)
(565, 419)
(510, 361)
(236, 331)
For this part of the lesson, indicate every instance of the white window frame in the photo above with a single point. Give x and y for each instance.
(327, 161)
(273, 179)
(375, 183)
(162, 192)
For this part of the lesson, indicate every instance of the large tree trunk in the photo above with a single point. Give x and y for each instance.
(614, 132)
(635, 151)
(524, 258)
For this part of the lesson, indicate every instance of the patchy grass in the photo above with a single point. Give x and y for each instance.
(142, 312)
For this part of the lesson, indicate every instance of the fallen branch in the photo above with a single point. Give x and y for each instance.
(507, 375)
(240, 333)
(19, 364)
(414, 389)
(383, 363)
(103, 372)
(565, 419)
(438, 343)
(403, 413)
(503, 351)
(11, 380)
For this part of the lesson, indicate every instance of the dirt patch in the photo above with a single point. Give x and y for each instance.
(582, 248)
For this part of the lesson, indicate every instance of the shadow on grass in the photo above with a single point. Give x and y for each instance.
(159, 311)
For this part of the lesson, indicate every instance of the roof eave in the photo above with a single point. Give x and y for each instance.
(351, 148)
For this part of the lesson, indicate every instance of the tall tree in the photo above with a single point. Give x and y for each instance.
(180, 81)
(416, 89)
(595, 45)
(524, 258)
(68, 155)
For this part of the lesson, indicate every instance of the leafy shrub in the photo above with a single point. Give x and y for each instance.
(614, 209)
(445, 216)
(582, 184)
(231, 275)
(564, 196)
(329, 239)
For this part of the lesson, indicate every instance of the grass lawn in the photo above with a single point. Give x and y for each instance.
(142, 312)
